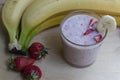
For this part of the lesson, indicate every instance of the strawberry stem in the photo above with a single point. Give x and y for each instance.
(43, 52)
(11, 62)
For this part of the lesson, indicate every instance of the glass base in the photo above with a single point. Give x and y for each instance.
(77, 66)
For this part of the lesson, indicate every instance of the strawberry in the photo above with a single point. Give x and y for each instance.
(19, 63)
(91, 20)
(37, 51)
(98, 38)
(95, 22)
(88, 32)
(32, 72)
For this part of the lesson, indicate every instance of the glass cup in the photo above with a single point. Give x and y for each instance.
(80, 55)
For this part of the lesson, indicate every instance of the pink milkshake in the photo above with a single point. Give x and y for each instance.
(81, 40)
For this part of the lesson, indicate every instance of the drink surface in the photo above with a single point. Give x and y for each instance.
(80, 29)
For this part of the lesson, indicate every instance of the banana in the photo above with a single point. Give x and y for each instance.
(25, 29)
(52, 22)
(106, 22)
(39, 11)
(11, 16)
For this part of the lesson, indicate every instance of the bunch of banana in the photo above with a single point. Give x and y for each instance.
(43, 14)
(11, 15)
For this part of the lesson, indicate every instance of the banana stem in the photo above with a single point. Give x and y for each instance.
(12, 36)
(27, 41)
(13, 41)
(22, 38)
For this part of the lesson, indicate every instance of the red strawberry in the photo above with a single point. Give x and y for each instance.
(88, 31)
(19, 63)
(95, 22)
(37, 51)
(91, 20)
(98, 38)
(32, 72)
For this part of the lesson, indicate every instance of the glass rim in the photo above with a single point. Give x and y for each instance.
(79, 12)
